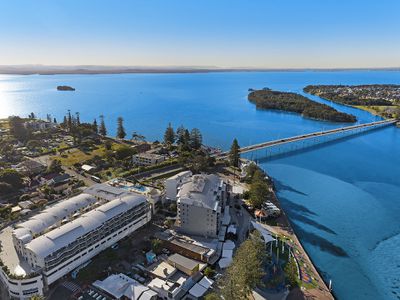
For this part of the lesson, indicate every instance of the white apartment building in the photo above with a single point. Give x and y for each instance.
(173, 184)
(147, 159)
(63, 237)
(201, 200)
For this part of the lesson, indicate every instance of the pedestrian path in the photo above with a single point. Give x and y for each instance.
(73, 287)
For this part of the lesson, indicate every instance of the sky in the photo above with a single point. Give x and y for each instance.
(206, 33)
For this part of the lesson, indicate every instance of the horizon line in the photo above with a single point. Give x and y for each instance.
(41, 69)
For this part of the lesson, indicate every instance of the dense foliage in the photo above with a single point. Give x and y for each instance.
(259, 188)
(354, 95)
(246, 270)
(292, 102)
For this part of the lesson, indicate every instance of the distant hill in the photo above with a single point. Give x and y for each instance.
(90, 69)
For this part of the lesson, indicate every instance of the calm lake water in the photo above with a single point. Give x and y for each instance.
(343, 198)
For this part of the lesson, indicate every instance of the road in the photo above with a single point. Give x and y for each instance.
(297, 138)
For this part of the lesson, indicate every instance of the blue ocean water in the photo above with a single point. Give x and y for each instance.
(343, 198)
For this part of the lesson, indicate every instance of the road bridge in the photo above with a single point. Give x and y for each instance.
(311, 139)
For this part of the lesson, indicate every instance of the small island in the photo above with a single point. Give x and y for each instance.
(65, 88)
(292, 102)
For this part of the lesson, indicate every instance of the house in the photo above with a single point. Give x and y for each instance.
(188, 247)
(121, 286)
(88, 169)
(201, 201)
(141, 147)
(60, 182)
(147, 159)
(184, 264)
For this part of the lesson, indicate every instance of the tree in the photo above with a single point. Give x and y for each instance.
(5, 188)
(102, 129)
(78, 119)
(246, 270)
(180, 135)
(259, 189)
(234, 155)
(156, 246)
(196, 138)
(11, 177)
(95, 127)
(169, 135)
(64, 124)
(36, 297)
(209, 272)
(120, 128)
(69, 120)
(124, 152)
(55, 166)
(17, 128)
(32, 116)
(291, 272)
(212, 296)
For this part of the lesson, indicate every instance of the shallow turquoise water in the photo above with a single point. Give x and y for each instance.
(343, 198)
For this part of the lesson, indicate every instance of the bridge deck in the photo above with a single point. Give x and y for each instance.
(313, 135)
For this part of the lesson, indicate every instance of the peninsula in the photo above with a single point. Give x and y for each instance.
(379, 99)
(292, 102)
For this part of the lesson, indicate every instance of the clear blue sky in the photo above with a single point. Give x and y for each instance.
(224, 33)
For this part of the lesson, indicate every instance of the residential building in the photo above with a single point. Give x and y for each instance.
(39, 125)
(61, 238)
(147, 159)
(200, 201)
(173, 184)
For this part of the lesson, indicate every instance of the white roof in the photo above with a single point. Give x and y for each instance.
(106, 191)
(267, 235)
(197, 290)
(227, 216)
(227, 253)
(87, 168)
(228, 245)
(232, 229)
(181, 175)
(64, 235)
(50, 216)
(224, 262)
(201, 190)
(206, 282)
(120, 285)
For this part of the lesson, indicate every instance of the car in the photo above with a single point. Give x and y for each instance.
(115, 246)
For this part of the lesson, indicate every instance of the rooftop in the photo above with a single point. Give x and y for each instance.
(201, 190)
(183, 261)
(106, 191)
(65, 234)
(162, 270)
(50, 216)
(119, 285)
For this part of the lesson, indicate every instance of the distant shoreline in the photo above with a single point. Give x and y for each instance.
(94, 70)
